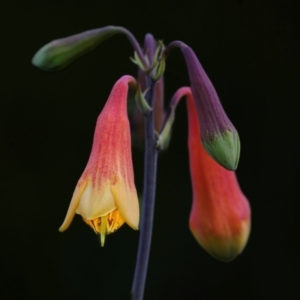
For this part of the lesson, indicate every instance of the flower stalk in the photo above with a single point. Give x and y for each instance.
(146, 224)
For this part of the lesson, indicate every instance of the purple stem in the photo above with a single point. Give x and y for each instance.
(150, 167)
(134, 43)
(174, 44)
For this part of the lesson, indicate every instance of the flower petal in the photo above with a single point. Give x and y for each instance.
(96, 202)
(127, 202)
(73, 205)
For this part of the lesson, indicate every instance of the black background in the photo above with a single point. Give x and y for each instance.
(250, 50)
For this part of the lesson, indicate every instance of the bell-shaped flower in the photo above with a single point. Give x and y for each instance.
(220, 215)
(105, 195)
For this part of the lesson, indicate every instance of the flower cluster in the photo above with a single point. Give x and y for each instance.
(105, 195)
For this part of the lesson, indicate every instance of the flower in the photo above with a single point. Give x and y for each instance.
(105, 195)
(220, 215)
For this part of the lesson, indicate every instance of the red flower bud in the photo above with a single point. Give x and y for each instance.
(220, 215)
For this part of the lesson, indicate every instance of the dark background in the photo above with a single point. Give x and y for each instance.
(250, 50)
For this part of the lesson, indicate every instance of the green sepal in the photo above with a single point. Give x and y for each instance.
(136, 60)
(224, 147)
(159, 62)
(141, 101)
(58, 54)
(164, 137)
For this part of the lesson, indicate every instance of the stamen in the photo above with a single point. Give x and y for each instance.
(103, 230)
(106, 224)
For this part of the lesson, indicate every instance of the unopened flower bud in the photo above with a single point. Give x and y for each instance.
(58, 54)
(220, 216)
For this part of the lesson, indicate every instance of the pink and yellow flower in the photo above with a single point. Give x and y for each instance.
(105, 195)
(220, 215)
